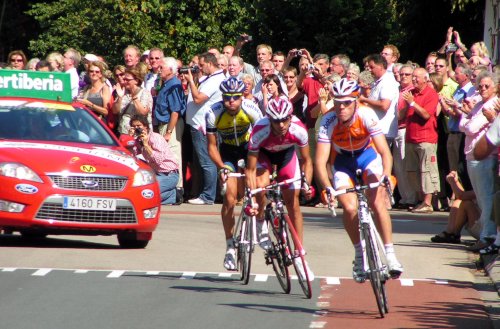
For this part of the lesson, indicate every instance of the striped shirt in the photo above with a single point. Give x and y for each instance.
(162, 159)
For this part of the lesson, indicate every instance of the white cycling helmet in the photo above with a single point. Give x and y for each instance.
(345, 89)
(232, 86)
(279, 108)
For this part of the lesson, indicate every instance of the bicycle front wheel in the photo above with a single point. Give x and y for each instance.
(277, 256)
(377, 279)
(299, 261)
(245, 248)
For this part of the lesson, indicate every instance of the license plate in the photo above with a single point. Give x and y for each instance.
(83, 203)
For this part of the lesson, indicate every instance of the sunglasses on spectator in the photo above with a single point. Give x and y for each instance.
(345, 103)
(266, 70)
(16, 60)
(229, 97)
(278, 121)
(118, 75)
(94, 71)
(484, 86)
(154, 57)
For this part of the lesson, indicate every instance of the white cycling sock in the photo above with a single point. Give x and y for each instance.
(389, 248)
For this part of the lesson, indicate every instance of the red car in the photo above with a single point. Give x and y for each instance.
(63, 172)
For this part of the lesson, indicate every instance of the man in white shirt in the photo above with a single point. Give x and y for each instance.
(72, 59)
(200, 98)
(383, 96)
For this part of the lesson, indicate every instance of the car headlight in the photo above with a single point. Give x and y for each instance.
(20, 171)
(144, 177)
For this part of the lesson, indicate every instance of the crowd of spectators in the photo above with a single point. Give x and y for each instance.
(432, 115)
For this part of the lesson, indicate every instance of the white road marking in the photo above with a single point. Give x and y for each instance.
(332, 280)
(441, 281)
(406, 282)
(323, 304)
(317, 324)
(115, 274)
(42, 272)
(81, 271)
(9, 269)
(153, 273)
(261, 277)
(188, 275)
(225, 275)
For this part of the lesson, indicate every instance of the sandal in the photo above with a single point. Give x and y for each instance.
(490, 250)
(445, 237)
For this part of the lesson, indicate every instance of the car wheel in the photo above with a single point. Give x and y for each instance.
(33, 234)
(129, 241)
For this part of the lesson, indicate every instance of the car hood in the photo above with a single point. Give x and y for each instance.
(52, 158)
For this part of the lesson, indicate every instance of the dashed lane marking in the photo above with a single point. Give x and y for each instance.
(332, 280)
(115, 274)
(188, 275)
(42, 272)
(317, 324)
(407, 282)
(328, 281)
(261, 277)
(9, 269)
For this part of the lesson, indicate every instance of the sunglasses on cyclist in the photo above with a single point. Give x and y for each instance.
(228, 97)
(345, 103)
(278, 121)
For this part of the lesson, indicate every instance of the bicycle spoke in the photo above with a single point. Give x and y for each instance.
(277, 257)
(297, 251)
(375, 274)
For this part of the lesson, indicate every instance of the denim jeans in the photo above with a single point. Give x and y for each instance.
(167, 186)
(208, 168)
(482, 177)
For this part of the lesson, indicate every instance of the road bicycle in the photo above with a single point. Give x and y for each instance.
(374, 257)
(286, 247)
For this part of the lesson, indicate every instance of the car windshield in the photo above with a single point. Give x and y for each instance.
(25, 122)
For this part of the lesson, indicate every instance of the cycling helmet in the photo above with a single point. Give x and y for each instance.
(279, 108)
(345, 88)
(232, 86)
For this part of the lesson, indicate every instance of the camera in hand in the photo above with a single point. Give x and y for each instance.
(451, 48)
(138, 131)
(247, 38)
(298, 53)
(185, 69)
(310, 67)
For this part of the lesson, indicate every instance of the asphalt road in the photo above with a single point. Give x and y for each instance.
(178, 281)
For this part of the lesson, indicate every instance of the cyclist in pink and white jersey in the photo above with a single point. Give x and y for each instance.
(272, 143)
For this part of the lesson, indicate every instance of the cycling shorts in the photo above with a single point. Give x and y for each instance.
(232, 154)
(345, 166)
(286, 162)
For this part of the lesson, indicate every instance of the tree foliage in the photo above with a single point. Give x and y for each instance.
(182, 27)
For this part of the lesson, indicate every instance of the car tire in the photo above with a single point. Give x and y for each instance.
(129, 241)
(32, 234)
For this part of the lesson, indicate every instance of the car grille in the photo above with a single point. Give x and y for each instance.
(51, 210)
(89, 182)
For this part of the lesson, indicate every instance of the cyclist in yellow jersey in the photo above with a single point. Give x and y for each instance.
(230, 122)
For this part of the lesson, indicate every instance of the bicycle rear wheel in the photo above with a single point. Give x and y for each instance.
(278, 258)
(296, 249)
(377, 279)
(245, 249)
